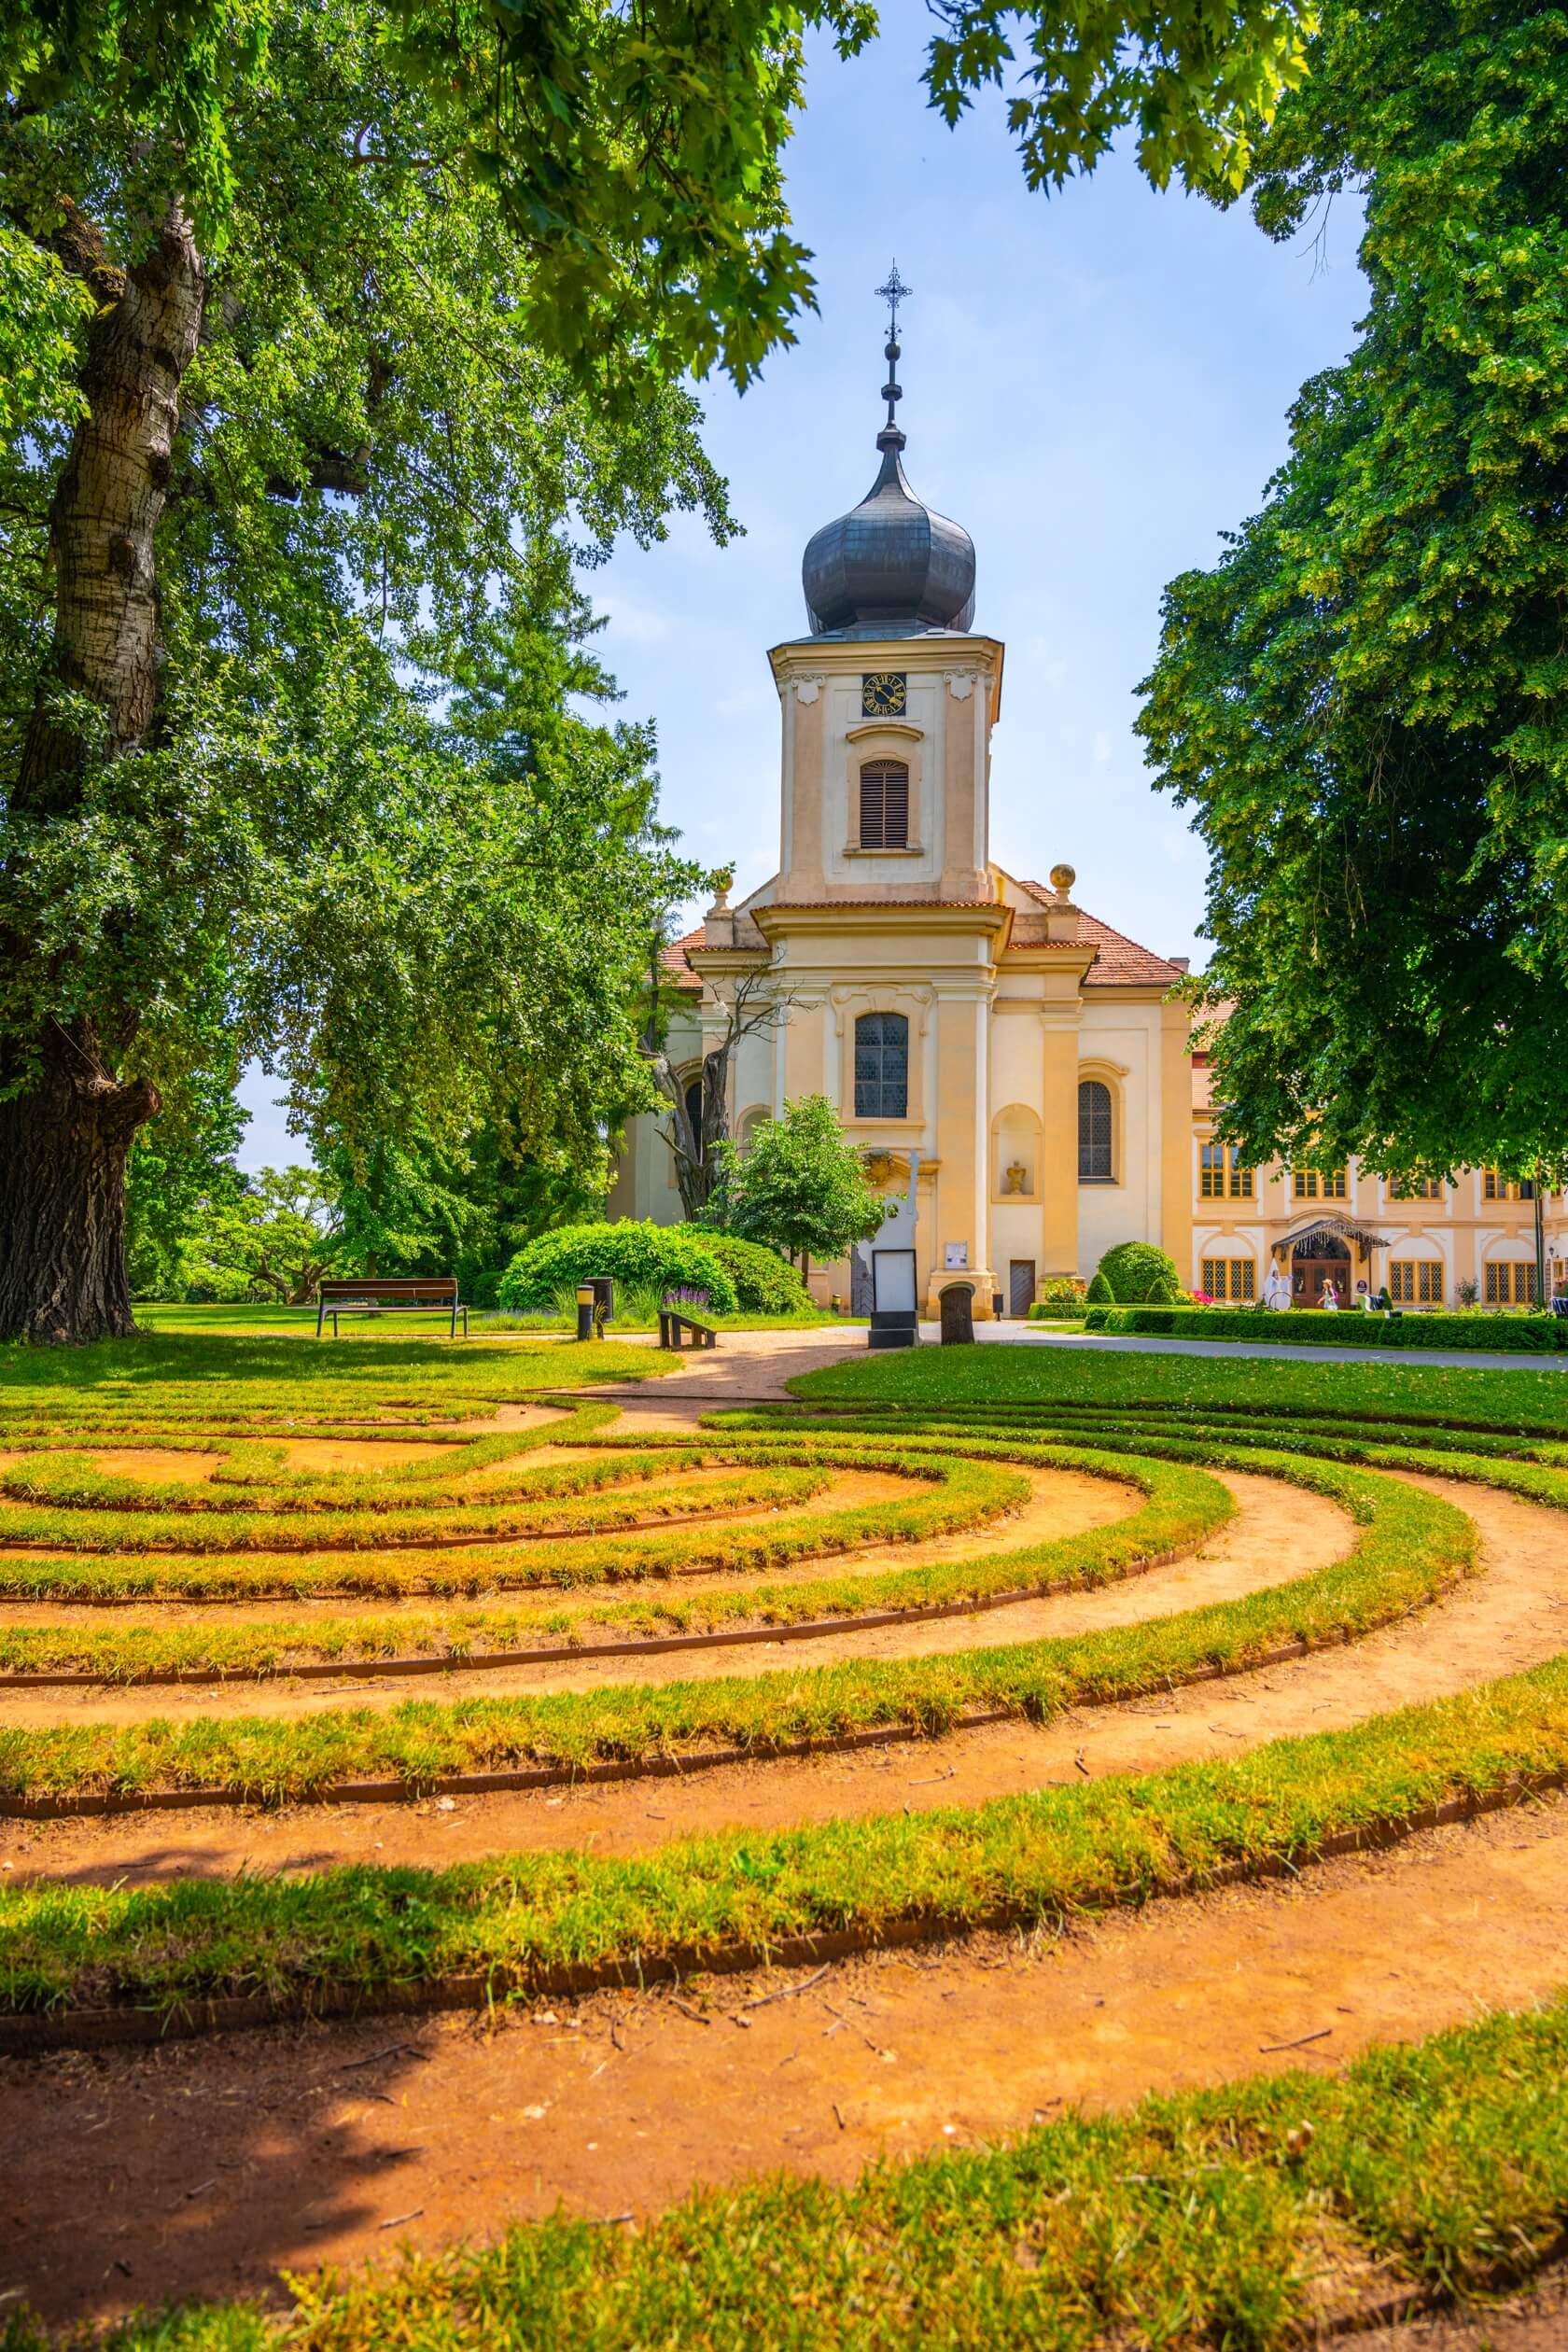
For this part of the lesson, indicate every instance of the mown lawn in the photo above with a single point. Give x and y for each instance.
(268, 1374)
(1526, 1398)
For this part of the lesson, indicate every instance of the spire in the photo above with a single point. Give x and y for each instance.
(891, 566)
(892, 293)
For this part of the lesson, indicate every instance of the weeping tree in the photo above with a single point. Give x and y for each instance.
(290, 505)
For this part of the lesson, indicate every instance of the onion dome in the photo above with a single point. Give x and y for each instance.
(891, 566)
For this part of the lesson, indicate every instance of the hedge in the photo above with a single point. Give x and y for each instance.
(636, 1251)
(765, 1283)
(1513, 1334)
(1136, 1270)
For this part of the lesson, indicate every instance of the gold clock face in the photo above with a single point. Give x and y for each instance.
(885, 694)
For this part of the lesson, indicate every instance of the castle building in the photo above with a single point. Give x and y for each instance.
(1033, 1058)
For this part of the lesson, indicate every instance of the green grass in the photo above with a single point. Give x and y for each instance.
(1530, 1397)
(269, 1382)
(1408, 1546)
(520, 1920)
(484, 1322)
(959, 1494)
(1234, 2216)
(1181, 1507)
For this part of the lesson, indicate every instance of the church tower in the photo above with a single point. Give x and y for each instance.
(1029, 1061)
(888, 704)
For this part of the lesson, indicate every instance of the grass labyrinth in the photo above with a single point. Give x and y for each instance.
(913, 1548)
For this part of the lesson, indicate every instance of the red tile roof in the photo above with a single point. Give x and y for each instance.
(1119, 962)
(677, 971)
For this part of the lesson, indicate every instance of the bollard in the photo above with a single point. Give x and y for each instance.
(585, 1311)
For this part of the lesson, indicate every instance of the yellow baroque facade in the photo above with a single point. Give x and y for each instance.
(1031, 1056)
(1429, 1245)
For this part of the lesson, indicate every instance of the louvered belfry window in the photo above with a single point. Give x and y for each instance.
(884, 804)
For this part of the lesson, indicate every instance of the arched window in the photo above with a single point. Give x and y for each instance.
(1094, 1133)
(884, 804)
(881, 1066)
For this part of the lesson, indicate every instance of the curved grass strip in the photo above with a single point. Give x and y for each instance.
(1534, 1477)
(521, 1919)
(1426, 2170)
(570, 1497)
(1182, 1507)
(964, 1494)
(287, 1383)
(1409, 1547)
(68, 1479)
(1526, 1467)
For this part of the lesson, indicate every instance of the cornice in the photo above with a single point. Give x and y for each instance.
(882, 915)
(815, 658)
(726, 959)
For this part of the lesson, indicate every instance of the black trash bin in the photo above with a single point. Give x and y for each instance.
(604, 1301)
(958, 1314)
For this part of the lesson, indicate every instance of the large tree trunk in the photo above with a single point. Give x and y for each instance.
(62, 1148)
(66, 1120)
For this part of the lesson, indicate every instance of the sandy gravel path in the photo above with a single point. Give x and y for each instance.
(203, 2167)
(1514, 1613)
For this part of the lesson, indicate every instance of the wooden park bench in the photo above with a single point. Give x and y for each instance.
(418, 1295)
(673, 1321)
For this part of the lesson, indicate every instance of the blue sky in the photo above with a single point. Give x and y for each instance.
(1096, 386)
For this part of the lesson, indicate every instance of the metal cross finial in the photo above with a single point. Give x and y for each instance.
(893, 293)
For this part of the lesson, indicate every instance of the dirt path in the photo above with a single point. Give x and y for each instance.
(1513, 1614)
(1278, 1533)
(747, 1367)
(1061, 1503)
(201, 2167)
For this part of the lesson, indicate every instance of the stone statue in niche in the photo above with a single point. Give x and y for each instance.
(1016, 1179)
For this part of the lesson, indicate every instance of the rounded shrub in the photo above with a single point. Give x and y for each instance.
(1140, 1274)
(1099, 1292)
(765, 1283)
(636, 1251)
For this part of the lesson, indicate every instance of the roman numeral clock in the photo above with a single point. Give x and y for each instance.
(883, 694)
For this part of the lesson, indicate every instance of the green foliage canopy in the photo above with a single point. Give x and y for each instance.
(362, 838)
(274, 1239)
(1364, 703)
(634, 1249)
(635, 156)
(798, 1186)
